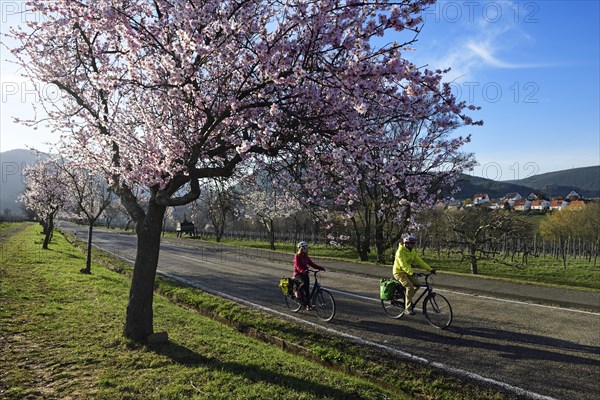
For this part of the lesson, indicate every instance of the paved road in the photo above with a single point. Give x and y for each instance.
(507, 335)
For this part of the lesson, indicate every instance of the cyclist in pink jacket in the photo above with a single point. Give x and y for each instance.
(301, 263)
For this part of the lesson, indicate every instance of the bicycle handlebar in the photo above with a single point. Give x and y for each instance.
(424, 274)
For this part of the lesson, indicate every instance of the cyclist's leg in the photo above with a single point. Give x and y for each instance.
(304, 287)
(409, 282)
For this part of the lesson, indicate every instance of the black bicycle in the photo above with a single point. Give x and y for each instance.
(320, 300)
(436, 307)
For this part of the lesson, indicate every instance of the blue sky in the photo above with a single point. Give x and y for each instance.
(533, 67)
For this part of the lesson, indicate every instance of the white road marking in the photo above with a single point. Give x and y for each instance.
(358, 296)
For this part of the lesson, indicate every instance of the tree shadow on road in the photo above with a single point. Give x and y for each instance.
(525, 338)
(507, 344)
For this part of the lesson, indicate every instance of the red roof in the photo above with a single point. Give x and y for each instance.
(577, 203)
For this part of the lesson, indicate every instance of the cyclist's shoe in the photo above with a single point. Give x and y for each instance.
(409, 311)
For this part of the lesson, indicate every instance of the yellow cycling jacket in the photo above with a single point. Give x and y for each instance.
(405, 259)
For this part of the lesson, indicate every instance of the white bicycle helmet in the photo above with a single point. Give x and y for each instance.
(302, 244)
(409, 239)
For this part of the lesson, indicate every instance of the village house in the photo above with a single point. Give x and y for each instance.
(573, 195)
(512, 197)
(557, 205)
(481, 198)
(449, 203)
(498, 204)
(540, 205)
(522, 205)
(576, 205)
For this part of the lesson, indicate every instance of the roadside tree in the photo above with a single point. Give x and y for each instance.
(266, 200)
(380, 180)
(162, 95)
(112, 213)
(483, 231)
(89, 197)
(45, 193)
(568, 225)
(221, 199)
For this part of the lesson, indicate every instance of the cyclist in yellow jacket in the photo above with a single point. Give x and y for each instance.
(406, 257)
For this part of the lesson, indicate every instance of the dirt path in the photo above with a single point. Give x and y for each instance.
(11, 230)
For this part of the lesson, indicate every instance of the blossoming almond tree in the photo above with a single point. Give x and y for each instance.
(268, 200)
(45, 193)
(162, 94)
(392, 179)
(88, 197)
(221, 199)
(379, 181)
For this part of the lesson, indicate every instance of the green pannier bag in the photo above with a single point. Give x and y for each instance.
(387, 288)
(287, 286)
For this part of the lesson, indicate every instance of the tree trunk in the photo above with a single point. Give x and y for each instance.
(139, 319)
(358, 243)
(380, 243)
(271, 234)
(88, 262)
(222, 226)
(48, 229)
(473, 258)
(363, 248)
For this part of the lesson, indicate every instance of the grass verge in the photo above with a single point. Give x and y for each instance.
(61, 339)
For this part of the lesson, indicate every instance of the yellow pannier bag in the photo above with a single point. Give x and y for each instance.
(287, 286)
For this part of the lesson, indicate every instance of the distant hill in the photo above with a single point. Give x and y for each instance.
(13, 181)
(472, 185)
(585, 181)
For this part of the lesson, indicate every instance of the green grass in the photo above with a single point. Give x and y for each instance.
(579, 273)
(61, 338)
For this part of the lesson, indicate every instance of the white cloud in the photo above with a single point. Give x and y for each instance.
(484, 51)
(479, 41)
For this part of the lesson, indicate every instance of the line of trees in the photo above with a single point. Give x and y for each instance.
(476, 233)
(510, 238)
(55, 185)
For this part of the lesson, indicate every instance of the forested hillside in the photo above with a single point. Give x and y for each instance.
(471, 185)
(586, 181)
(13, 162)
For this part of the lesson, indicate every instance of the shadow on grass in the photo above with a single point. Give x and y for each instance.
(181, 354)
(253, 372)
(71, 253)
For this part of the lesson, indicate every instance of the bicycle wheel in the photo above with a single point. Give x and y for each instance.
(437, 310)
(324, 305)
(293, 303)
(394, 308)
